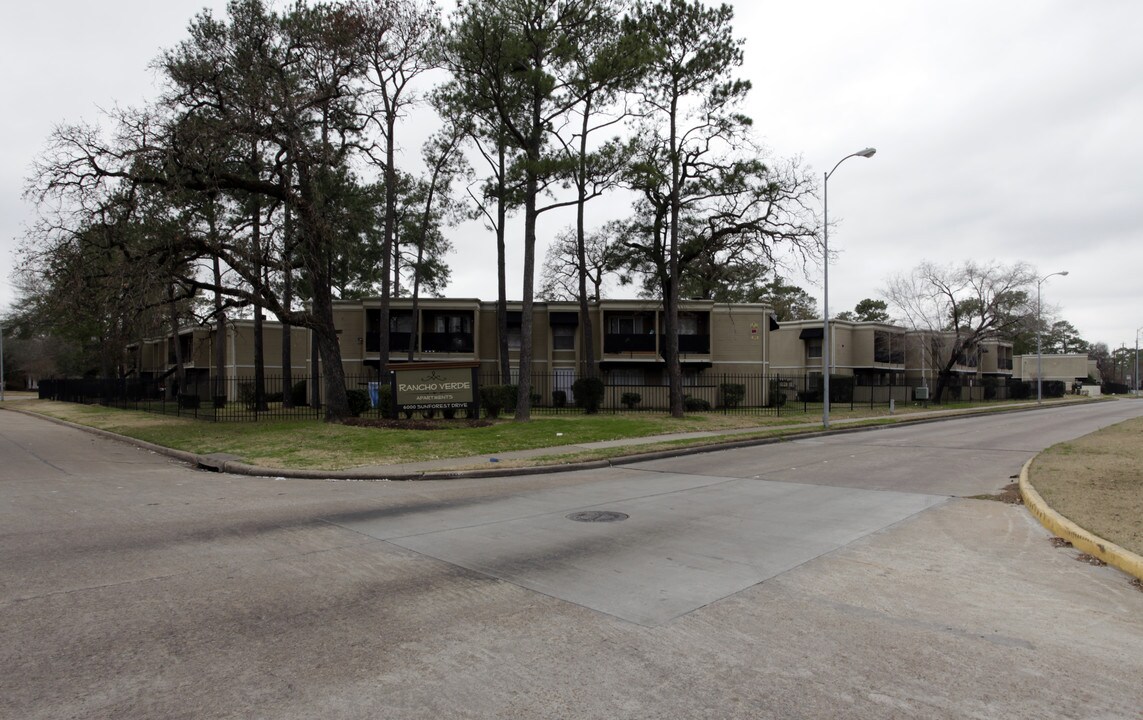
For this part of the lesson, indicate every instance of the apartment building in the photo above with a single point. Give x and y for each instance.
(153, 359)
(1069, 368)
(885, 361)
(717, 343)
(628, 340)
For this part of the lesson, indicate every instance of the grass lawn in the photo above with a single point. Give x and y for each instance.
(1097, 482)
(309, 443)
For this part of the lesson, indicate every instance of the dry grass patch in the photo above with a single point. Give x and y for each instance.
(1097, 482)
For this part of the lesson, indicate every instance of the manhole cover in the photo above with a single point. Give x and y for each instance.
(597, 516)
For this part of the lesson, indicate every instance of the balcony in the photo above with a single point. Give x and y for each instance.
(447, 342)
(398, 342)
(692, 344)
(619, 343)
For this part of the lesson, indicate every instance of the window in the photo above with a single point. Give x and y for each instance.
(813, 347)
(400, 321)
(563, 337)
(888, 347)
(629, 324)
(452, 323)
(514, 337)
(447, 331)
(688, 324)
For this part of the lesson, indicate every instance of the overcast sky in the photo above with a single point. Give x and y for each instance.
(1005, 131)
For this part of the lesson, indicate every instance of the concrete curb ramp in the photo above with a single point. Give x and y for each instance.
(1093, 545)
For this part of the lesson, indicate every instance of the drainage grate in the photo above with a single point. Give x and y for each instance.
(597, 516)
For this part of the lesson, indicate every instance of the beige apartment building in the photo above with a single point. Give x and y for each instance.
(885, 361)
(1069, 368)
(715, 339)
(718, 343)
(154, 358)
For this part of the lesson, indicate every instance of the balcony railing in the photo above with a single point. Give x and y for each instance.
(619, 343)
(693, 344)
(398, 342)
(447, 342)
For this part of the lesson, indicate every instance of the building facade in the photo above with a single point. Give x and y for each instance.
(719, 343)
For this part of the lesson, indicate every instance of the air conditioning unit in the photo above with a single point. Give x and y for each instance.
(921, 393)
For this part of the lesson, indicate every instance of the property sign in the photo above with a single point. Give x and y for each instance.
(434, 386)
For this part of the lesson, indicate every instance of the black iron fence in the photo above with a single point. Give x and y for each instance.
(239, 398)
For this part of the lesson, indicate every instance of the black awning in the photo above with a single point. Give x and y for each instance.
(515, 317)
(773, 321)
(563, 318)
(811, 333)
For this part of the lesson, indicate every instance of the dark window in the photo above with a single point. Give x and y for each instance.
(888, 347)
(563, 337)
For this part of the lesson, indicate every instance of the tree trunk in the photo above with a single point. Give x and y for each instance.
(219, 333)
(333, 374)
(179, 384)
(674, 372)
(532, 190)
(589, 366)
(287, 330)
(501, 270)
(387, 243)
(316, 249)
(259, 288)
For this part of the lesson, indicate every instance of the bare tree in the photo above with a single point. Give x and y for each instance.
(564, 278)
(958, 307)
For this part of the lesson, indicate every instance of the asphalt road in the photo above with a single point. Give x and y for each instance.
(842, 576)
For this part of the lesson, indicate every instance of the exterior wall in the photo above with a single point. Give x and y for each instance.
(739, 338)
(853, 348)
(154, 356)
(996, 359)
(349, 321)
(788, 351)
(488, 347)
(240, 350)
(1067, 368)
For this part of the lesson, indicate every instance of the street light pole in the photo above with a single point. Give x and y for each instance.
(866, 153)
(1136, 361)
(1039, 352)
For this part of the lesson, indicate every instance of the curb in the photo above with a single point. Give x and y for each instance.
(1056, 523)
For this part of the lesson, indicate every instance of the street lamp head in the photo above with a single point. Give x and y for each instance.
(1063, 272)
(867, 152)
